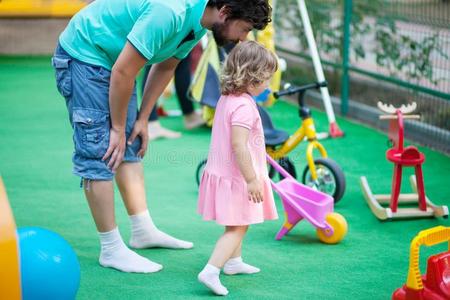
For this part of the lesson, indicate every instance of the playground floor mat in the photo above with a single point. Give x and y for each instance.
(371, 262)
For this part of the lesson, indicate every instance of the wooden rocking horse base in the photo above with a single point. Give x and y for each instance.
(375, 203)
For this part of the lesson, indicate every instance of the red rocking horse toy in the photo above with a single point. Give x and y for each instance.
(401, 157)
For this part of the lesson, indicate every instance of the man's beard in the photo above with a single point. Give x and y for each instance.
(218, 30)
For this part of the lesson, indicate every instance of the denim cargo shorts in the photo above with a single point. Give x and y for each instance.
(85, 88)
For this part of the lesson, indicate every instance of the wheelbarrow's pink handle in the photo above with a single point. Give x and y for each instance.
(277, 167)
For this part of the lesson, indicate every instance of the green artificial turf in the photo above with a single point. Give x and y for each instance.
(35, 162)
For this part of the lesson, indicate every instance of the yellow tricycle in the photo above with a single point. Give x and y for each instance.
(322, 173)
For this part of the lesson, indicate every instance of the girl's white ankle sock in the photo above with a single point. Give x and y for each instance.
(237, 266)
(209, 276)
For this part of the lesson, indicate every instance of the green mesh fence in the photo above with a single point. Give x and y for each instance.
(398, 52)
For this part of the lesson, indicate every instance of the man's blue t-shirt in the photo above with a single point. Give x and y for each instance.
(158, 29)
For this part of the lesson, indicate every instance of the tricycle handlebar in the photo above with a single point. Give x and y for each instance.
(299, 89)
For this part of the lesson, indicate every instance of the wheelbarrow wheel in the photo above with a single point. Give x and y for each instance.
(287, 164)
(330, 178)
(339, 225)
(199, 172)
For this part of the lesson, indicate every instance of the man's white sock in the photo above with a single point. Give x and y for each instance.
(144, 234)
(115, 254)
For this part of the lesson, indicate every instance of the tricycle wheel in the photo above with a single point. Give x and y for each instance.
(339, 225)
(330, 178)
(287, 164)
(199, 172)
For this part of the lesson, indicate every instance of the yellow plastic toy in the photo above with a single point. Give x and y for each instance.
(339, 224)
(266, 37)
(40, 8)
(9, 251)
(206, 80)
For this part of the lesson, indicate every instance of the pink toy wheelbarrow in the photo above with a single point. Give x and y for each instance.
(302, 202)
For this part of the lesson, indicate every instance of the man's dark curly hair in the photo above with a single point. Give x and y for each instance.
(257, 12)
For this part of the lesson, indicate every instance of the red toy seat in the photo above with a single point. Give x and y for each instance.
(410, 156)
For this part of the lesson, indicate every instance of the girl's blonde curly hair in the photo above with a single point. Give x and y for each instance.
(249, 63)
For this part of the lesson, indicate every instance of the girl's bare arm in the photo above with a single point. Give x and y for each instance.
(239, 140)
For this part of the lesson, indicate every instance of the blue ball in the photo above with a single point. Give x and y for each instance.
(49, 267)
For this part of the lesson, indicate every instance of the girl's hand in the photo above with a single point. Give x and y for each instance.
(255, 190)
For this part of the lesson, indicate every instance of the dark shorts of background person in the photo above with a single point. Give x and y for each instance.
(182, 81)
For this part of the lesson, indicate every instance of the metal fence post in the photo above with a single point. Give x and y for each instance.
(345, 81)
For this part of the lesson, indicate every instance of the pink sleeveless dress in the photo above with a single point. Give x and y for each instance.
(223, 194)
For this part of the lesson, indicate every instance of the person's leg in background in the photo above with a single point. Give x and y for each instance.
(182, 82)
(155, 130)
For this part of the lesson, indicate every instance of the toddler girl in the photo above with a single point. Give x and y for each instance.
(235, 189)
